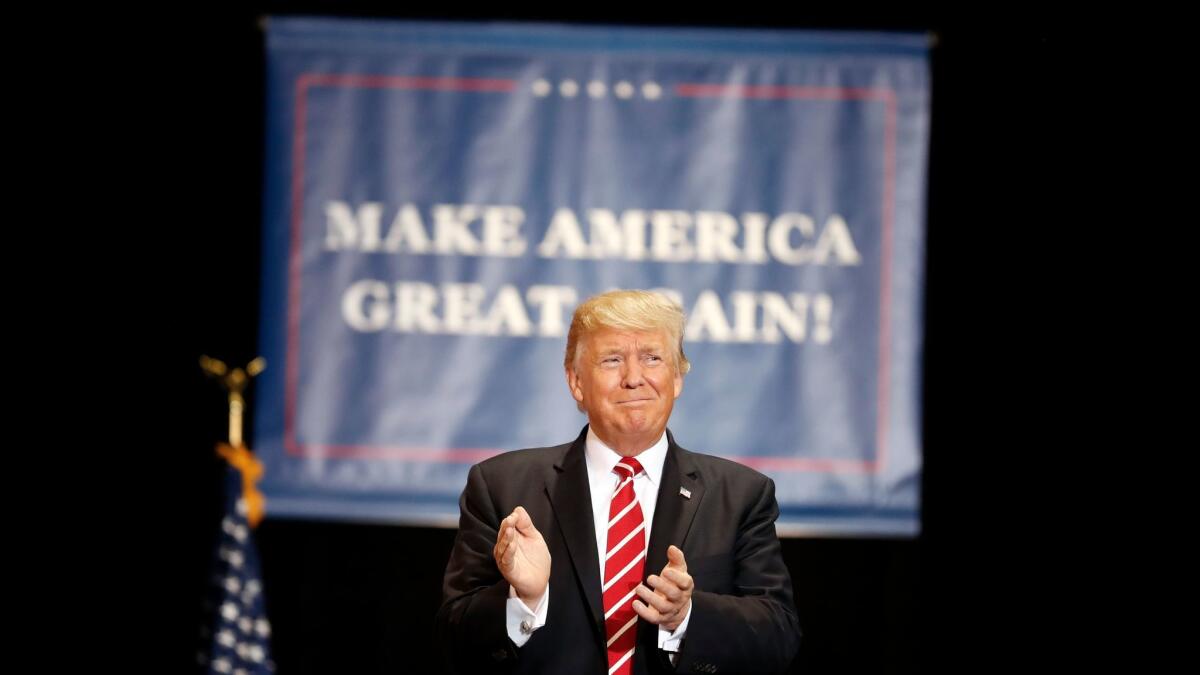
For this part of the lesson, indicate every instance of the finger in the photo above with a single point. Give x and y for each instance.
(682, 580)
(659, 602)
(501, 530)
(502, 541)
(501, 548)
(504, 525)
(511, 553)
(675, 558)
(522, 521)
(514, 518)
(648, 614)
(666, 587)
(510, 549)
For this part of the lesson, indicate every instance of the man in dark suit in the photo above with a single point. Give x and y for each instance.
(692, 578)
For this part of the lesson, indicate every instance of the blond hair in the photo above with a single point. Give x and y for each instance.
(628, 310)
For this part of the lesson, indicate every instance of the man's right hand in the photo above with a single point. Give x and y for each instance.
(522, 556)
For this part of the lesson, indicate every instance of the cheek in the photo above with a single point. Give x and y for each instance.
(606, 382)
(665, 384)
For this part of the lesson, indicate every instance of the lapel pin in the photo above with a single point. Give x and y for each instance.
(687, 494)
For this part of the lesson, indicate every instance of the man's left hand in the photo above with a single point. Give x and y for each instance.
(667, 604)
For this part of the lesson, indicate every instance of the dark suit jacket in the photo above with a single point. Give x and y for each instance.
(742, 621)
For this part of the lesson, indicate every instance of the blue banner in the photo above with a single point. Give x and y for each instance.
(440, 196)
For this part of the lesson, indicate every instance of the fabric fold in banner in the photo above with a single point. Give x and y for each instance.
(441, 196)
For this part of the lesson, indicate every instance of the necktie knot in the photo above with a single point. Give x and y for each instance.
(627, 467)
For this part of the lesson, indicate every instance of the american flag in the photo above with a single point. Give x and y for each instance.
(238, 637)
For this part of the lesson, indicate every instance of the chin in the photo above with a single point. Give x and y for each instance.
(638, 426)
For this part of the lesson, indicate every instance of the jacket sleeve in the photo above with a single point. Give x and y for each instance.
(470, 624)
(755, 629)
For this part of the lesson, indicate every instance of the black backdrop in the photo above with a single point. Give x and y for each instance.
(348, 598)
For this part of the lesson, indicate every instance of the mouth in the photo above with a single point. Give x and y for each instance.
(634, 400)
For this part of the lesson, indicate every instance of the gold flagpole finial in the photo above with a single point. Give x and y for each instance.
(234, 382)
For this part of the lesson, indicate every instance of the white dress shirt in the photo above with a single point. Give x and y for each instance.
(522, 621)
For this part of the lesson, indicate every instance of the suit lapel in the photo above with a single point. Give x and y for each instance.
(674, 512)
(570, 495)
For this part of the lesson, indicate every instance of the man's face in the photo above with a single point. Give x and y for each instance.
(627, 382)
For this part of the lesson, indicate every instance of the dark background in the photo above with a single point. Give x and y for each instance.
(345, 598)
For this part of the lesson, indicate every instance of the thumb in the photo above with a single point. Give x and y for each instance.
(675, 558)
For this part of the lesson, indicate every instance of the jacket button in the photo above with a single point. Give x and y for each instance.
(499, 655)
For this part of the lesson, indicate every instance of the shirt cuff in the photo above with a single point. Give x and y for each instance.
(522, 621)
(671, 641)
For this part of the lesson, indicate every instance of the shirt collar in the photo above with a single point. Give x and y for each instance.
(603, 458)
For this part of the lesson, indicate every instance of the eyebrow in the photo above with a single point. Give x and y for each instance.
(611, 349)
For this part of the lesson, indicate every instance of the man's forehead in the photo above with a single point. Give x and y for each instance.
(608, 339)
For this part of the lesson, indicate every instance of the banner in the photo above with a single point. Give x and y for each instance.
(440, 197)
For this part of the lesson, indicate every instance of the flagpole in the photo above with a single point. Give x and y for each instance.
(237, 637)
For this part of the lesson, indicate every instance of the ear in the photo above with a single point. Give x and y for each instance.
(573, 385)
(678, 383)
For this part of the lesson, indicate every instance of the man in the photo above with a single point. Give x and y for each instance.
(620, 552)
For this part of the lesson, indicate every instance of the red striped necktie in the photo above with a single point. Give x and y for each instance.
(623, 562)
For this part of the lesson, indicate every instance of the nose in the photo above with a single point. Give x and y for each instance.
(633, 374)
